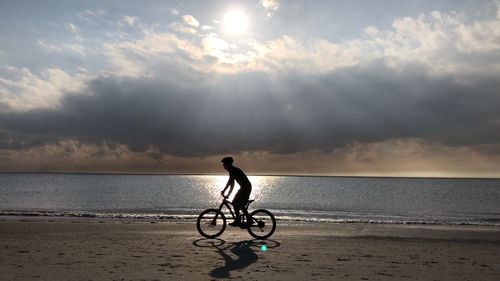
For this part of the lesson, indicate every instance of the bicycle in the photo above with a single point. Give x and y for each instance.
(211, 223)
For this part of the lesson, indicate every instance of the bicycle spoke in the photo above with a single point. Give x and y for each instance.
(264, 224)
(211, 223)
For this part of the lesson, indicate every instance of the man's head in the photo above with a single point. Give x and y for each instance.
(227, 162)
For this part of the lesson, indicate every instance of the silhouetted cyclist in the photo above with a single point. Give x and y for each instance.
(241, 198)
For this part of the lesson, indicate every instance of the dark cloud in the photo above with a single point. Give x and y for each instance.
(280, 114)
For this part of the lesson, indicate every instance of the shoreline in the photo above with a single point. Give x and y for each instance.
(90, 249)
(283, 216)
(333, 229)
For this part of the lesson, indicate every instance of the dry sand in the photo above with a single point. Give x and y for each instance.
(90, 249)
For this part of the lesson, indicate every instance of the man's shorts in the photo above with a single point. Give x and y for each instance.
(241, 197)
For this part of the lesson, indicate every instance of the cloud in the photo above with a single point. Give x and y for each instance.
(73, 47)
(404, 157)
(412, 157)
(270, 6)
(92, 13)
(152, 55)
(188, 25)
(281, 114)
(497, 4)
(20, 89)
(371, 30)
(214, 46)
(443, 43)
(72, 155)
(182, 28)
(190, 20)
(324, 95)
(129, 20)
(71, 27)
(426, 82)
(49, 47)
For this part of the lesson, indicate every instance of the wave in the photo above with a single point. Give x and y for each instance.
(189, 215)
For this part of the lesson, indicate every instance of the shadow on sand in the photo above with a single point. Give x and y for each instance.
(244, 251)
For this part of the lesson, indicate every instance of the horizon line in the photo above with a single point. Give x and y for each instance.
(249, 174)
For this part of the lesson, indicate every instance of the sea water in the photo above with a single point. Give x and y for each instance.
(328, 199)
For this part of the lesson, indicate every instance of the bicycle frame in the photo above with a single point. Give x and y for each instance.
(228, 205)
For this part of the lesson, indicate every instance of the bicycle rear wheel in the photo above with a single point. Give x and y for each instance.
(264, 224)
(211, 223)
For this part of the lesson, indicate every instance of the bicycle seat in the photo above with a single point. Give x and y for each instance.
(250, 201)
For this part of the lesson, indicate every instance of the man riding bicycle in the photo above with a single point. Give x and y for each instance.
(241, 198)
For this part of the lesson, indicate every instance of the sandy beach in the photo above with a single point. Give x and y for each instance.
(91, 249)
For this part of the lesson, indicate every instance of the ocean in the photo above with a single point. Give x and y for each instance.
(319, 199)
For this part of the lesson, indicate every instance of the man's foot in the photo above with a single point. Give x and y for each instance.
(235, 223)
(246, 224)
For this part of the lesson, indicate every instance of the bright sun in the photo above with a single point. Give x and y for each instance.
(235, 22)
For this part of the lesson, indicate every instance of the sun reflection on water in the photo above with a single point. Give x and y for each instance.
(262, 186)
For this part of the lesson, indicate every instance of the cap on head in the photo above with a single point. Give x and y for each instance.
(228, 160)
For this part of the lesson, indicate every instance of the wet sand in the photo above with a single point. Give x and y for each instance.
(92, 249)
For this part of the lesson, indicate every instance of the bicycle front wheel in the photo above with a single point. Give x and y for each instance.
(264, 224)
(211, 223)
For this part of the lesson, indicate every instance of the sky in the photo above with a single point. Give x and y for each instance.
(363, 88)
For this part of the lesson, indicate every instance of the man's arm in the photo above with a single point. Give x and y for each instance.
(230, 184)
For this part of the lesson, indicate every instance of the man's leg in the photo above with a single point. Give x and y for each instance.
(237, 207)
(237, 213)
(247, 216)
(237, 219)
(245, 196)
